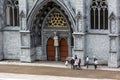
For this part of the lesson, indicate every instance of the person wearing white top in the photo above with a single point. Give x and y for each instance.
(66, 62)
(95, 63)
(87, 61)
(76, 63)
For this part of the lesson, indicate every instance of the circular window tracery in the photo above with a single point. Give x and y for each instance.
(56, 20)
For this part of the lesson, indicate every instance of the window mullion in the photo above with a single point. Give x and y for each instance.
(103, 18)
(8, 15)
(99, 18)
(17, 16)
(13, 16)
(94, 18)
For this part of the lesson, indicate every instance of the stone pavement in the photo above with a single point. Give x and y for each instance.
(6, 76)
(55, 64)
(10, 76)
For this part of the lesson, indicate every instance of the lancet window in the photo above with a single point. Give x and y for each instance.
(12, 12)
(99, 14)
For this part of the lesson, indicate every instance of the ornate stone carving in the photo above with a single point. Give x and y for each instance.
(78, 19)
(113, 28)
(57, 20)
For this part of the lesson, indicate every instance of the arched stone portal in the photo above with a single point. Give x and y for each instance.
(49, 19)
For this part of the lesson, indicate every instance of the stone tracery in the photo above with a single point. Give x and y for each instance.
(99, 14)
(12, 12)
(57, 20)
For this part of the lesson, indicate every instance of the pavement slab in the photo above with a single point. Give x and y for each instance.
(9, 76)
(46, 70)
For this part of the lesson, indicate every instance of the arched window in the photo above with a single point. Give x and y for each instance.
(12, 13)
(99, 14)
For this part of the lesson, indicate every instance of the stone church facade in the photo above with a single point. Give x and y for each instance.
(53, 30)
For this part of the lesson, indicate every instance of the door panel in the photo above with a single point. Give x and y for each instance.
(63, 49)
(50, 50)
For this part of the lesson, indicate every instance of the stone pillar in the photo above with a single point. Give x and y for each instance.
(114, 42)
(27, 53)
(79, 38)
(79, 49)
(2, 24)
(114, 30)
(79, 34)
(56, 46)
(23, 13)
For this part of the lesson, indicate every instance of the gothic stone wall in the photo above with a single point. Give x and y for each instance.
(1, 45)
(11, 47)
(98, 46)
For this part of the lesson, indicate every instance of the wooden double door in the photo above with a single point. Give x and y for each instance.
(62, 52)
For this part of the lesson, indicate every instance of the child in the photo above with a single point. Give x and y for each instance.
(66, 63)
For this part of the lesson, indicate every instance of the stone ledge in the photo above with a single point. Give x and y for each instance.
(113, 35)
(24, 31)
(79, 33)
(25, 47)
(10, 28)
(78, 50)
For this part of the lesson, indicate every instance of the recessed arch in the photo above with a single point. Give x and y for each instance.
(60, 13)
(40, 4)
(40, 33)
(37, 21)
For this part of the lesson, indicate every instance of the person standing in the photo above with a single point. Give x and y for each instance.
(95, 63)
(72, 63)
(66, 62)
(75, 57)
(87, 61)
(79, 62)
(75, 63)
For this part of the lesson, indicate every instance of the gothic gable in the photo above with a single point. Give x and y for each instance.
(40, 6)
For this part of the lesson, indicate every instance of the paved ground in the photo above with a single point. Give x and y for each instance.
(6, 76)
(54, 71)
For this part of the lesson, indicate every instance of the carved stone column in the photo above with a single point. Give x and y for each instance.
(79, 46)
(27, 53)
(114, 42)
(56, 46)
(79, 38)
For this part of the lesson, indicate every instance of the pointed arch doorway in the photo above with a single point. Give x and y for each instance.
(49, 19)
